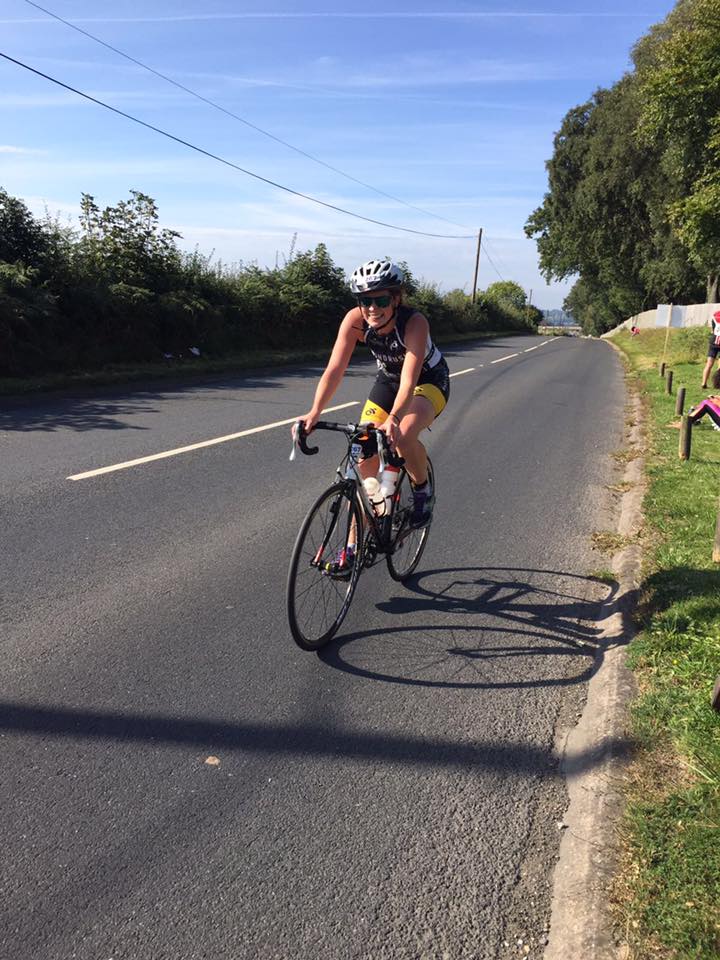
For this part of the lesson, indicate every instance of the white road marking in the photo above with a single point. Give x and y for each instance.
(244, 433)
(532, 348)
(197, 446)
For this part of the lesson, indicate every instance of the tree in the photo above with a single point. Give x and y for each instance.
(605, 216)
(21, 236)
(679, 73)
(124, 244)
(506, 292)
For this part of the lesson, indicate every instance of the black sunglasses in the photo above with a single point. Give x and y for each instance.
(383, 301)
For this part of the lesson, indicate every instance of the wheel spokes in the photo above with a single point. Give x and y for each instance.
(318, 597)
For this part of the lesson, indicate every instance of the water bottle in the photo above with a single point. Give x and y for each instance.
(372, 486)
(388, 481)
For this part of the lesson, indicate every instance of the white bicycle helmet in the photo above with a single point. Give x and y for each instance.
(376, 275)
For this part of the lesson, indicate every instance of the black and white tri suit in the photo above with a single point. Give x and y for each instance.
(389, 352)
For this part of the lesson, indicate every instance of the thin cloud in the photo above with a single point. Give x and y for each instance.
(355, 15)
(332, 77)
(21, 151)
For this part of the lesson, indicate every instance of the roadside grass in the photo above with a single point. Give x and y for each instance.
(121, 373)
(608, 541)
(603, 575)
(668, 894)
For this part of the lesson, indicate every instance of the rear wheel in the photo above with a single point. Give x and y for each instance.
(321, 580)
(409, 543)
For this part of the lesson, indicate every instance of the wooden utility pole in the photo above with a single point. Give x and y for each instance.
(527, 307)
(477, 265)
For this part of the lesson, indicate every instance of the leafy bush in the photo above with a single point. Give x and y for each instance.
(120, 290)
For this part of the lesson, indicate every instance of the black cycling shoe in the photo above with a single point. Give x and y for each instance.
(423, 503)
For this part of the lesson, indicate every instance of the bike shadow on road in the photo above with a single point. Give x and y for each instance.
(488, 628)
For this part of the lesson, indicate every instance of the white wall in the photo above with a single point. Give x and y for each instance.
(664, 315)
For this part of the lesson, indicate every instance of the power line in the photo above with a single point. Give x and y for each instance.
(490, 259)
(235, 116)
(500, 262)
(229, 163)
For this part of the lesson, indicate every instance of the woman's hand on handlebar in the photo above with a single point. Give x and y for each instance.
(391, 428)
(309, 420)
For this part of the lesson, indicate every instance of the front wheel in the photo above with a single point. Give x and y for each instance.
(322, 576)
(408, 542)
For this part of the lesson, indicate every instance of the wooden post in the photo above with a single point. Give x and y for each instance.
(668, 382)
(716, 545)
(685, 438)
(680, 402)
(667, 332)
(661, 369)
(477, 265)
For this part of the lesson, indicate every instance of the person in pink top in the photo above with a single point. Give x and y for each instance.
(710, 406)
(713, 347)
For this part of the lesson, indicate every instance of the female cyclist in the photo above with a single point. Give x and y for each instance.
(413, 381)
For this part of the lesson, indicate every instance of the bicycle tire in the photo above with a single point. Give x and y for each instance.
(403, 558)
(318, 605)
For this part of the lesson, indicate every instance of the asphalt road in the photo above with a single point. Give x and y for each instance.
(397, 796)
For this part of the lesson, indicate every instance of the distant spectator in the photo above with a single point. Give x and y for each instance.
(634, 331)
(710, 406)
(713, 347)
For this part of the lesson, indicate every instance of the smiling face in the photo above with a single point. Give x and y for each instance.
(378, 307)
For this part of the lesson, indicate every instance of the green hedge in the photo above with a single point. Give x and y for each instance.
(119, 290)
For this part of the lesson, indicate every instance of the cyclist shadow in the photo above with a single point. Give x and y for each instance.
(490, 627)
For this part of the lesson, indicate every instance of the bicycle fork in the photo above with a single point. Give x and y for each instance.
(350, 538)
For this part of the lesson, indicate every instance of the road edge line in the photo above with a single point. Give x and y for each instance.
(595, 755)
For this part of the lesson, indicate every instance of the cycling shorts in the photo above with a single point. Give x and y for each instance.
(434, 385)
(714, 347)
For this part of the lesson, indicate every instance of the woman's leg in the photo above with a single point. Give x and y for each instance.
(375, 412)
(706, 407)
(708, 369)
(420, 416)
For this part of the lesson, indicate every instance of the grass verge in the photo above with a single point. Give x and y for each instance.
(121, 373)
(668, 893)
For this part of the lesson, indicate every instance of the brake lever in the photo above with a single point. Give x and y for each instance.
(300, 440)
(381, 439)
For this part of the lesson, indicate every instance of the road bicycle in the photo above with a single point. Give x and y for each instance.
(319, 588)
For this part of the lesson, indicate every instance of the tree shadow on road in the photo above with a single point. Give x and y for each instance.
(298, 740)
(103, 408)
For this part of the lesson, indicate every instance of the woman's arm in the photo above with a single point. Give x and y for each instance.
(348, 336)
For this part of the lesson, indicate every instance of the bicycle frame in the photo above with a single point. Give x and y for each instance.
(342, 534)
(379, 525)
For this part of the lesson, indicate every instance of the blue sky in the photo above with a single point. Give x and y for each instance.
(450, 111)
